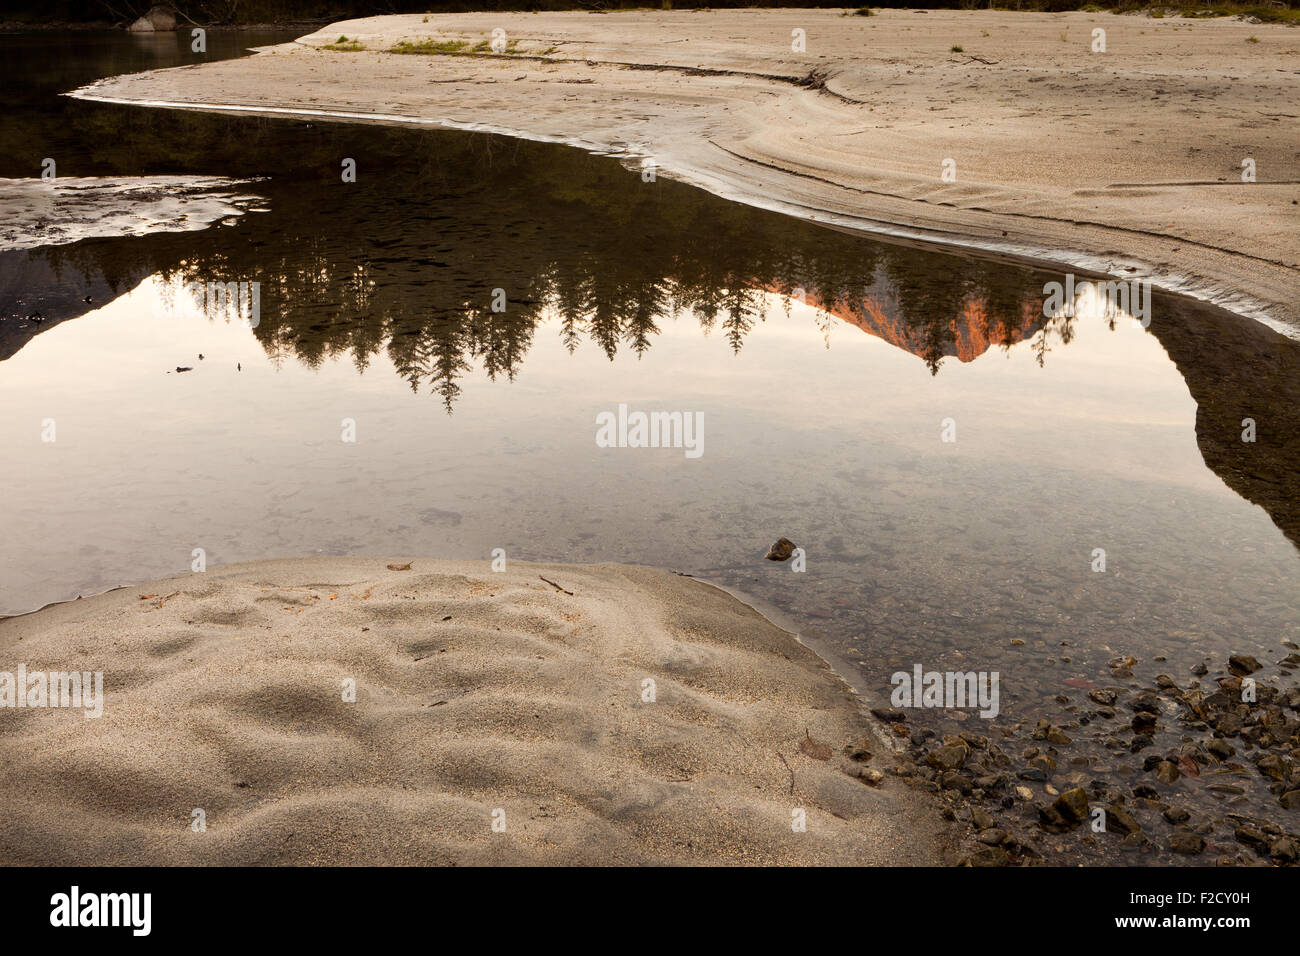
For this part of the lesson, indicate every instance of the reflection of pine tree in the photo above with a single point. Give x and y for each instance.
(610, 256)
(433, 350)
(650, 303)
(742, 305)
(502, 340)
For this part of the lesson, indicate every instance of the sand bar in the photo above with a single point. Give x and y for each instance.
(476, 692)
(1128, 162)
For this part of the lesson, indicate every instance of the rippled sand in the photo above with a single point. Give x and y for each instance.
(479, 696)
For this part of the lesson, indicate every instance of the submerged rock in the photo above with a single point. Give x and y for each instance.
(950, 757)
(1073, 804)
(1239, 665)
(1185, 841)
(1119, 820)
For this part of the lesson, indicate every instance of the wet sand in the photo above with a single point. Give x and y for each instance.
(479, 696)
(1127, 162)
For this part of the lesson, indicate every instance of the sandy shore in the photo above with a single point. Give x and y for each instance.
(476, 692)
(1127, 162)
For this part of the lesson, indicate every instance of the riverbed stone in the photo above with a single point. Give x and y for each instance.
(1186, 841)
(1273, 767)
(1119, 820)
(1242, 664)
(950, 757)
(1220, 748)
(1176, 815)
(1167, 772)
(988, 856)
(1072, 804)
(1284, 850)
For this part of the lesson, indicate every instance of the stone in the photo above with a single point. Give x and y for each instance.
(1250, 837)
(1072, 804)
(1185, 841)
(872, 777)
(950, 757)
(1176, 815)
(159, 19)
(1282, 849)
(1119, 820)
(1145, 703)
(781, 551)
(982, 819)
(1273, 767)
(1044, 763)
(1143, 722)
(1240, 665)
(1167, 772)
(994, 836)
(988, 856)
(1057, 736)
(951, 780)
(1220, 748)
(1290, 800)
(1228, 724)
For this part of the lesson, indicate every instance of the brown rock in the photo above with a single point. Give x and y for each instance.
(1186, 841)
(781, 551)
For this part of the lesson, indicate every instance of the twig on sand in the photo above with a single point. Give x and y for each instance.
(970, 58)
(787, 767)
(556, 586)
(161, 601)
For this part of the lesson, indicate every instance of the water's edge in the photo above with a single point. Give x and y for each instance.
(1183, 286)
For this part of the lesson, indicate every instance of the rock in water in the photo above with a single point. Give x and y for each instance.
(1186, 841)
(1240, 665)
(781, 551)
(159, 19)
(1121, 821)
(1073, 804)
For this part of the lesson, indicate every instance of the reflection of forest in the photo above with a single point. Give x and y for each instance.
(353, 268)
(406, 260)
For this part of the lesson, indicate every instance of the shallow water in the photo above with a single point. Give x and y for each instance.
(823, 364)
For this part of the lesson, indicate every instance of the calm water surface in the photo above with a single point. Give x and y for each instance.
(823, 364)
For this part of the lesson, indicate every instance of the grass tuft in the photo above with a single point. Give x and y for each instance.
(344, 45)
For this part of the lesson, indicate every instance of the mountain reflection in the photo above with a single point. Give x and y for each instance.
(408, 258)
(440, 227)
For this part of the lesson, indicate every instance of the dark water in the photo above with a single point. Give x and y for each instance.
(823, 408)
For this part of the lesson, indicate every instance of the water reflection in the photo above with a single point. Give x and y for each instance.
(440, 227)
(823, 363)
